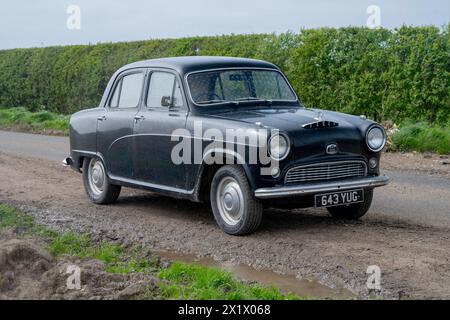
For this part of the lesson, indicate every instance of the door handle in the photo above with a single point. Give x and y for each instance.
(138, 118)
(101, 118)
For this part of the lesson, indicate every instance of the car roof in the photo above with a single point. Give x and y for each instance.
(196, 63)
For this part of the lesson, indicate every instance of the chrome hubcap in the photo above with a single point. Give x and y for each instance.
(97, 176)
(230, 200)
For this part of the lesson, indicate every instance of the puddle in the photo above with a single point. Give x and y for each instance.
(286, 283)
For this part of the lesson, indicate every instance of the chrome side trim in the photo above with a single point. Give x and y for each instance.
(313, 188)
(149, 185)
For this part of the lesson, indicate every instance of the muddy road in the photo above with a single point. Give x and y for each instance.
(406, 233)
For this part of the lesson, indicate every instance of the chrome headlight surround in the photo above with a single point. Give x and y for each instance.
(277, 141)
(376, 138)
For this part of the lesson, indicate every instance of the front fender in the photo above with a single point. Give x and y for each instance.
(229, 157)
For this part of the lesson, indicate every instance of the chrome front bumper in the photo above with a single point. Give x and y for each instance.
(324, 187)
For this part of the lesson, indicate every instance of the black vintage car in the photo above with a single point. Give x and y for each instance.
(227, 131)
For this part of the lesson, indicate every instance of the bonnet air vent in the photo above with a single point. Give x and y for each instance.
(320, 124)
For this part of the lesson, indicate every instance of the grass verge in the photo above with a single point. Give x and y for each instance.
(38, 122)
(187, 281)
(422, 137)
(115, 257)
(11, 218)
(178, 281)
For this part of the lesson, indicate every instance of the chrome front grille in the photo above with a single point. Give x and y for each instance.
(326, 171)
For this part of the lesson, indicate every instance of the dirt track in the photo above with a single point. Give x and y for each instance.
(413, 254)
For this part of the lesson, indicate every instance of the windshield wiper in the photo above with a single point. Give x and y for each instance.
(254, 99)
(218, 101)
(248, 98)
(211, 101)
(237, 101)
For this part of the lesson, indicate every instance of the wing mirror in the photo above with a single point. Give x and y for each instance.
(166, 101)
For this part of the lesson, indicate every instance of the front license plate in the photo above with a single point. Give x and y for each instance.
(338, 198)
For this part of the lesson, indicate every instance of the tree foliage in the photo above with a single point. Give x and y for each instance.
(385, 74)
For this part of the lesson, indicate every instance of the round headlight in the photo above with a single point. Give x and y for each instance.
(376, 138)
(279, 146)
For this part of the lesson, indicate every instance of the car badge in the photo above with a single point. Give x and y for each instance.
(332, 148)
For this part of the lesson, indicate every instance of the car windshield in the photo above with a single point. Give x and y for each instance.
(240, 85)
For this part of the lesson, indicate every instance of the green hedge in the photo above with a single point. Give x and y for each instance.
(386, 74)
(422, 137)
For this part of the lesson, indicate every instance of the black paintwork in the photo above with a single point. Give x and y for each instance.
(137, 153)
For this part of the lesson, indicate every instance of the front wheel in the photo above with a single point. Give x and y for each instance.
(96, 182)
(353, 211)
(236, 210)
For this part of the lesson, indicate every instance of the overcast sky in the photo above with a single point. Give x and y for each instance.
(31, 23)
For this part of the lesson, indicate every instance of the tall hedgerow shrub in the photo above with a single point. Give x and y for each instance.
(385, 74)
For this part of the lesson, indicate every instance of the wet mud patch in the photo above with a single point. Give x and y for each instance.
(28, 271)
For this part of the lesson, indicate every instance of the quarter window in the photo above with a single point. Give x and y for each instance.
(114, 102)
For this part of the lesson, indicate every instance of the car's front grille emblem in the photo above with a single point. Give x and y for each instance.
(332, 148)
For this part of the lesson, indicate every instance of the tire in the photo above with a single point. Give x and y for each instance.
(353, 211)
(235, 209)
(96, 182)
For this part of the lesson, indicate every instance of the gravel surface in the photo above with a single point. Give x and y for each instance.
(406, 233)
(411, 251)
(418, 163)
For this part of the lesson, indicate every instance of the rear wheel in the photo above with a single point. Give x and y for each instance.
(353, 211)
(236, 210)
(96, 182)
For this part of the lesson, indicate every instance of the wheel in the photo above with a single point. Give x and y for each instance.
(96, 183)
(353, 211)
(235, 209)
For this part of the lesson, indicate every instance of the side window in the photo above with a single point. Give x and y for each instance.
(131, 90)
(163, 84)
(127, 91)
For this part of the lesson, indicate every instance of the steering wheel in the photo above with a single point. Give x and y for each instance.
(208, 96)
